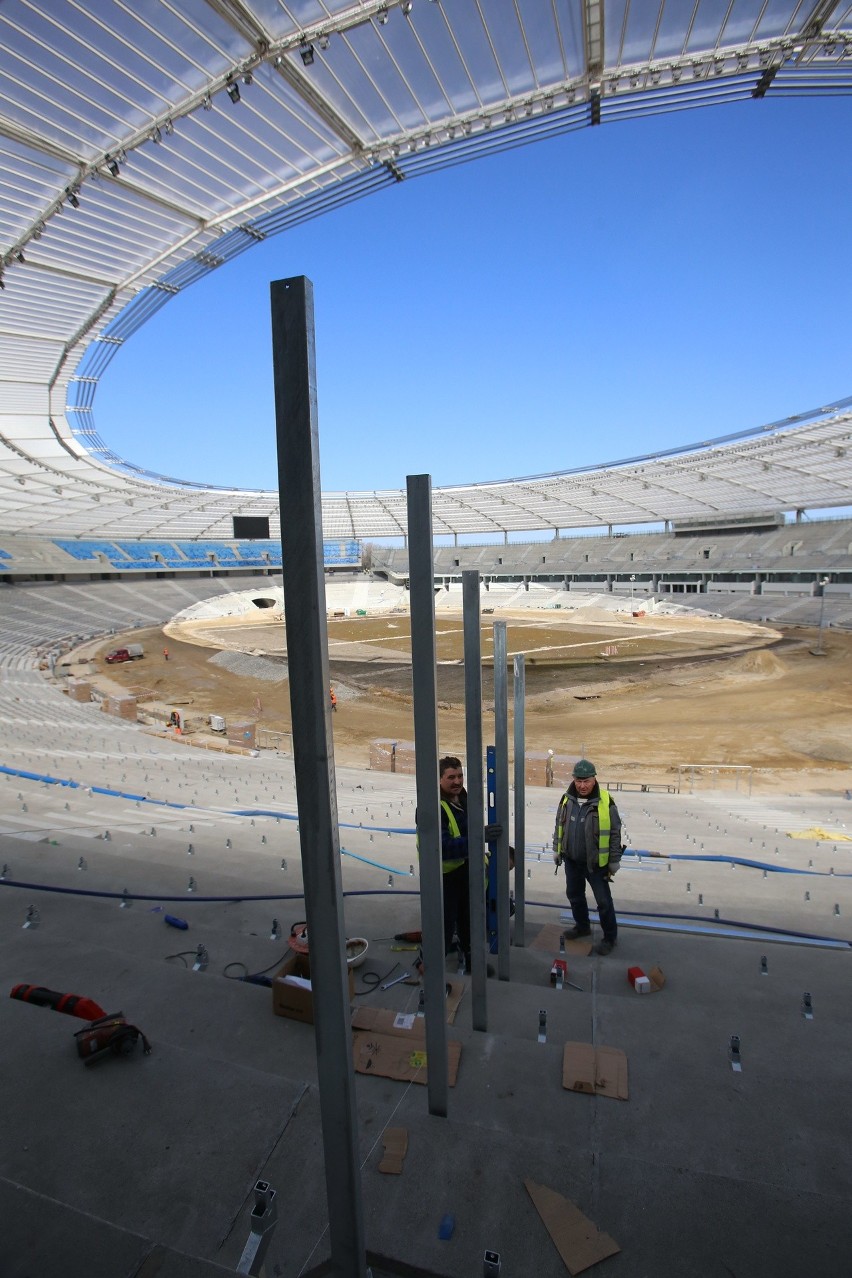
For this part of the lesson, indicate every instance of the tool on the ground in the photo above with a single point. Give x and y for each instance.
(264, 1217)
(404, 977)
(491, 1264)
(734, 1053)
(807, 1007)
(173, 921)
(74, 1004)
(109, 1036)
(298, 940)
(542, 1025)
(415, 937)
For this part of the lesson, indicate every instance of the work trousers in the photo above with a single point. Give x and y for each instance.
(577, 874)
(457, 910)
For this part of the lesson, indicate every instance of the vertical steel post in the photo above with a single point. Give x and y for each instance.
(491, 815)
(501, 743)
(519, 690)
(294, 367)
(475, 805)
(421, 574)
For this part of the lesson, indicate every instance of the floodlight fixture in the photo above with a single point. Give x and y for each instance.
(306, 53)
(112, 166)
(207, 103)
(406, 7)
(382, 15)
(248, 78)
(233, 91)
(19, 257)
(323, 42)
(73, 199)
(169, 127)
(156, 135)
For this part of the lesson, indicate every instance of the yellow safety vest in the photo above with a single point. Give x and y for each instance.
(447, 866)
(604, 825)
(455, 832)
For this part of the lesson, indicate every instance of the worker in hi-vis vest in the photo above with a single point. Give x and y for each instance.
(454, 856)
(587, 839)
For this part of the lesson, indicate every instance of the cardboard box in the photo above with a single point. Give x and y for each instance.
(291, 1000)
(598, 1071)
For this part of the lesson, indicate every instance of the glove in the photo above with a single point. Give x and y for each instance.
(611, 872)
(493, 832)
(557, 854)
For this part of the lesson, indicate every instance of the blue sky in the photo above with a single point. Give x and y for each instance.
(620, 290)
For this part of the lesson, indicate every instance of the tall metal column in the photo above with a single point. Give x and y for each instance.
(475, 805)
(421, 574)
(520, 688)
(293, 357)
(501, 743)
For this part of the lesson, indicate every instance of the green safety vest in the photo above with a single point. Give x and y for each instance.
(455, 832)
(447, 866)
(604, 825)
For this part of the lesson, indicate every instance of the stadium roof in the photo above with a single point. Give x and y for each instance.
(142, 146)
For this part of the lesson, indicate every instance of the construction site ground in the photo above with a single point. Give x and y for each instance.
(671, 691)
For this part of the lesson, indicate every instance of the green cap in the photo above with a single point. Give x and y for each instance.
(584, 769)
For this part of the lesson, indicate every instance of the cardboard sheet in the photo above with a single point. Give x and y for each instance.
(598, 1071)
(395, 1056)
(657, 978)
(577, 1239)
(548, 940)
(395, 1141)
(387, 1021)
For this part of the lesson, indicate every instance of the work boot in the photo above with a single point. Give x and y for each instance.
(605, 947)
(574, 934)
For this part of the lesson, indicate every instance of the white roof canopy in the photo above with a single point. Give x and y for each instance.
(142, 146)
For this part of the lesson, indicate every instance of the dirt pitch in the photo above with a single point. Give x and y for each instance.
(640, 695)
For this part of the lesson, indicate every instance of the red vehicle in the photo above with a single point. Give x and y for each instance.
(132, 652)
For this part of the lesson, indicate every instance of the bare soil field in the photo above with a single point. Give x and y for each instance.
(638, 695)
